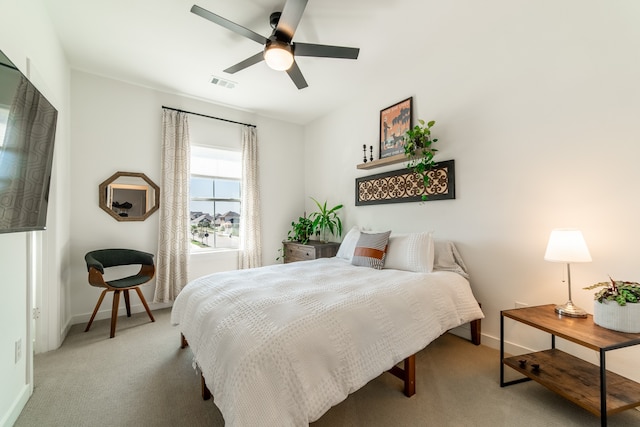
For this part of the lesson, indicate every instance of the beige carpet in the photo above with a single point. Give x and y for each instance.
(142, 378)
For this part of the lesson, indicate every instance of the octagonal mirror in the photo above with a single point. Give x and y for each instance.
(129, 196)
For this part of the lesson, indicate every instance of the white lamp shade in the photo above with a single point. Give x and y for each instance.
(567, 245)
(278, 58)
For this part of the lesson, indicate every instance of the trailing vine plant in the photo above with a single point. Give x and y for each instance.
(301, 231)
(419, 152)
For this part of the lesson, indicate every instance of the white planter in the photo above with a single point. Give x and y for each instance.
(622, 318)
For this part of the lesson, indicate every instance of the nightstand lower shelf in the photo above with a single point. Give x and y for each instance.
(578, 380)
(591, 387)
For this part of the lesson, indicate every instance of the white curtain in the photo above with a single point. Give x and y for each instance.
(173, 235)
(250, 229)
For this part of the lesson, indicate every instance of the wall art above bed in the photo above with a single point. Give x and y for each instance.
(405, 186)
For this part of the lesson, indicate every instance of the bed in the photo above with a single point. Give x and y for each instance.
(280, 345)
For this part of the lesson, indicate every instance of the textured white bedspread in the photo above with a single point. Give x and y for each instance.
(280, 345)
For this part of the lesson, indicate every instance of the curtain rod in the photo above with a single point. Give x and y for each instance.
(210, 117)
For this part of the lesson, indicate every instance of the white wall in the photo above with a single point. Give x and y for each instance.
(539, 111)
(117, 127)
(28, 39)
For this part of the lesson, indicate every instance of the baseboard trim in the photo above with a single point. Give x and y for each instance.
(509, 347)
(490, 341)
(65, 330)
(10, 418)
(122, 311)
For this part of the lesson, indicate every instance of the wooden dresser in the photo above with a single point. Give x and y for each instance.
(313, 249)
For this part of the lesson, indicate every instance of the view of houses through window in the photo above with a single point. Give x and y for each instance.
(215, 199)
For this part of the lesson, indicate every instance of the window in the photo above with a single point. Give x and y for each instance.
(215, 199)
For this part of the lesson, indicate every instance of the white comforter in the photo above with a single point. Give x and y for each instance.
(280, 345)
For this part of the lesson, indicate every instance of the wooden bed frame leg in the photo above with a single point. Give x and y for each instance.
(476, 331)
(183, 341)
(206, 394)
(408, 375)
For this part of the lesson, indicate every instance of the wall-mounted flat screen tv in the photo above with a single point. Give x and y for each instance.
(27, 135)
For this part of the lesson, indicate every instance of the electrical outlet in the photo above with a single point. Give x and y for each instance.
(18, 350)
(521, 304)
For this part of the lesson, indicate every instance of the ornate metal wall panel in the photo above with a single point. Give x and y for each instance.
(405, 186)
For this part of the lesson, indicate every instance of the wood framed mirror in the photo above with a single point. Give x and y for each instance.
(129, 196)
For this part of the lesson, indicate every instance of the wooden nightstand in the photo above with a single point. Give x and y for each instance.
(313, 249)
(592, 387)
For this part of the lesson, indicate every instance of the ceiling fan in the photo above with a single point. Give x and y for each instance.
(279, 49)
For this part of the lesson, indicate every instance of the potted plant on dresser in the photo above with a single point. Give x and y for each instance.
(617, 305)
(301, 230)
(326, 221)
(299, 247)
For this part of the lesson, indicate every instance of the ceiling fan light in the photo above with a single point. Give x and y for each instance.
(278, 56)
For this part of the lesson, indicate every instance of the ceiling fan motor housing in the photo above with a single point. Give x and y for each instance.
(274, 18)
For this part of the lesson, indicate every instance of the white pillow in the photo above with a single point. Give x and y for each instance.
(410, 252)
(447, 258)
(348, 245)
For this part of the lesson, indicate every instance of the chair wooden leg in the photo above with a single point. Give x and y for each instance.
(114, 313)
(95, 310)
(144, 302)
(126, 302)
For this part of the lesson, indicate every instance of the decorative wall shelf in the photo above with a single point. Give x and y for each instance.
(391, 160)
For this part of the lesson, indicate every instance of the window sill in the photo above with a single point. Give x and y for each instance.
(213, 251)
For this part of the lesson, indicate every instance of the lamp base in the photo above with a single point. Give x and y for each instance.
(570, 310)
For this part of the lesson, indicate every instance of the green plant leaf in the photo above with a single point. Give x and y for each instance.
(418, 150)
(326, 219)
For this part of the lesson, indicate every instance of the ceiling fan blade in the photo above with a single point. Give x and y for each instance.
(246, 63)
(297, 77)
(325, 51)
(290, 18)
(238, 29)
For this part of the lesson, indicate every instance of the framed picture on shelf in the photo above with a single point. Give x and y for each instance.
(394, 122)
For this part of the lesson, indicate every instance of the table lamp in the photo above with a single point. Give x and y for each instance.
(568, 245)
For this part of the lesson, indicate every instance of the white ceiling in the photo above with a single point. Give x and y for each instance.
(162, 45)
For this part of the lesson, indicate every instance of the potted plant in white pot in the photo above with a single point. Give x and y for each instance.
(418, 150)
(617, 305)
(326, 221)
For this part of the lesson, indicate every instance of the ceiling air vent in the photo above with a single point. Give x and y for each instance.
(219, 81)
